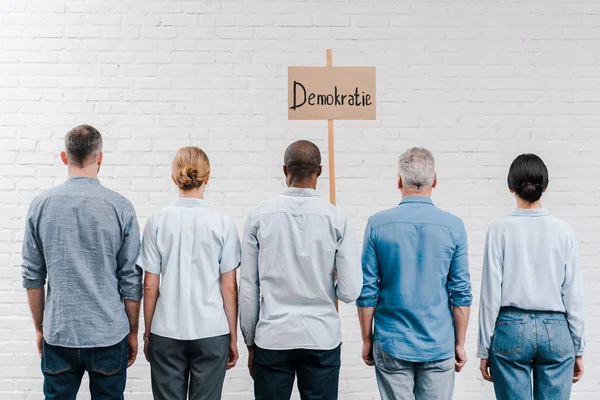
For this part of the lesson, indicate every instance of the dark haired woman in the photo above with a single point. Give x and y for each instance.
(531, 320)
(193, 251)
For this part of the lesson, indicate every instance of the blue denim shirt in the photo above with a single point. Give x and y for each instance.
(84, 239)
(415, 267)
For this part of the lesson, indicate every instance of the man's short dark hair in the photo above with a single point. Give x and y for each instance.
(82, 144)
(302, 159)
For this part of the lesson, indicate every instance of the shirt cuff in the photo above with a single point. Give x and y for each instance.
(228, 268)
(461, 302)
(33, 283)
(367, 301)
(148, 266)
(483, 354)
(133, 294)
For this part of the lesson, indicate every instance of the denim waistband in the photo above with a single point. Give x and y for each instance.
(516, 310)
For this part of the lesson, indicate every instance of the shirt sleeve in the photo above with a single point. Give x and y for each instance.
(150, 259)
(128, 273)
(370, 267)
(231, 250)
(249, 283)
(572, 293)
(33, 268)
(491, 292)
(459, 280)
(347, 265)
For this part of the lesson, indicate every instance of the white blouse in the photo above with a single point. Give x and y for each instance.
(190, 244)
(531, 262)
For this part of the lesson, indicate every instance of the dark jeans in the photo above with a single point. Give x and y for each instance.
(182, 366)
(63, 369)
(318, 373)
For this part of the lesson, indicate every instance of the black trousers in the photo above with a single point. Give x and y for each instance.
(182, 366)
(275, 370)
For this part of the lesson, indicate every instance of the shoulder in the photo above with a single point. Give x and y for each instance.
(39, 200)
(271, 205)
(117, 199)
(451, 220)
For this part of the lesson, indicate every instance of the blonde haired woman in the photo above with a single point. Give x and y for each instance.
(192, 251)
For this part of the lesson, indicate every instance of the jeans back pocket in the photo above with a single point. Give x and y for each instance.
(559, 336)
(508, 337)
(386, 362)
(110, 360)
(55, 359)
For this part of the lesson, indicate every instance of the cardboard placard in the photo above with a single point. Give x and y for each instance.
(331, 93)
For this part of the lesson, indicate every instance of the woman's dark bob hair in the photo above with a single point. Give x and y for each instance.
(528, 177)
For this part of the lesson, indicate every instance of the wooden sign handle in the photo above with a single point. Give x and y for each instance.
(331, 145)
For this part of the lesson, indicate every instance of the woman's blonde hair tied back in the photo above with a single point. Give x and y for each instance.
(190, 168)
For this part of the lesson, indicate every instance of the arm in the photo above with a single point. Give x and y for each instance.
(365, 317)
(33, 271)
(347, 264)
(229, 262)
(151, 285)
(491, 298)
(370, 294)
(572, 292)
(459, 290)
(36, 298)
(130, 279)
(249, 284)
(230, 303)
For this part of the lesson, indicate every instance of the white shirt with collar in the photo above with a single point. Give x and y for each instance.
(531, 262)
(190, 244)
(291, 245)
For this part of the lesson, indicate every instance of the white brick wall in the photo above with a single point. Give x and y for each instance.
(477, 82)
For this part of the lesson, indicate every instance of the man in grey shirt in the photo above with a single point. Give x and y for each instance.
(292, 246)
(84, 240)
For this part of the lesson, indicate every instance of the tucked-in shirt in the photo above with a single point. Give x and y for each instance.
(190, 244)
(415, 268)
(291, 247)
(84, 238)
(531, 262)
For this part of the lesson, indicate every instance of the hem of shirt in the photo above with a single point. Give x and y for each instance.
(417, 359)
(292, 347)
(85, 346)
(194, 337)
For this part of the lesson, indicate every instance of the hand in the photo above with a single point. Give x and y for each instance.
(578, 369)
(460, 358)
(484, 367)
(367, 353)
(233, 354)
(250, 361)
(132, 338)
(39, 339)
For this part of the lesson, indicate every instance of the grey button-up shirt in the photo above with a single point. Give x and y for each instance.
(291, 246)
(84, 239)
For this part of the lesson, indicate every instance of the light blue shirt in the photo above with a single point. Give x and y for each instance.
(291, 248)
(531, 261)
(415, 267)
(84, 239)
(190, 245)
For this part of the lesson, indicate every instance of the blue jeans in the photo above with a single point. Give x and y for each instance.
(532, 355)
(405, 380)
(63, 369)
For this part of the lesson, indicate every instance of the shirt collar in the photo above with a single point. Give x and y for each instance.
(300, 192)
(537, 212)
(189, 202)
(417, 199)
(82, 179)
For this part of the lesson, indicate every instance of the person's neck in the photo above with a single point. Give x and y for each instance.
(303, 184)
(88, 172)
(525, 205)
(410, 193)
(197, 193)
